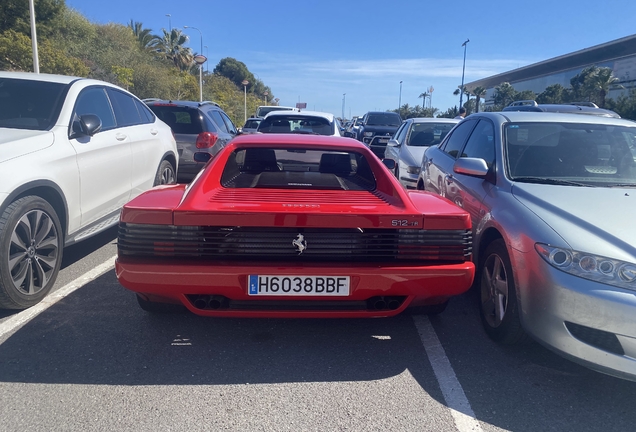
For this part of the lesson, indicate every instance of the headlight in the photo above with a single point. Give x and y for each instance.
(587, 266)
(413, 170)
(368, 134)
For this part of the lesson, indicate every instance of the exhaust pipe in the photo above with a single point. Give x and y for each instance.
(201, 302)
(216, 302)
(393, 303)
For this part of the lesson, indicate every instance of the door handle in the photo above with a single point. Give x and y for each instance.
(120, 137)
(154, 131)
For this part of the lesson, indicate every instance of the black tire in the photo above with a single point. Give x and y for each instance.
(31, 246)
(157, 307)
(498, 301)
(429, 310)
(165, 174)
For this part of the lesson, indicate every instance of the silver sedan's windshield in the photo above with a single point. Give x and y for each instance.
(584, 153)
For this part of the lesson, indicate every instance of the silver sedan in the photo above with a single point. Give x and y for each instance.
(407, 146)
(552, 199)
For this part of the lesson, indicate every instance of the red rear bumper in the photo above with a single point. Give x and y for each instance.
(182, 282)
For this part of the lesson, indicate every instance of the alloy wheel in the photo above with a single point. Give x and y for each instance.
(33, 252)
(494, 291)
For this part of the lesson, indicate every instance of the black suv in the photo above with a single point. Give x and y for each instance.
(568, 108)
(197, 127)
(376, 129)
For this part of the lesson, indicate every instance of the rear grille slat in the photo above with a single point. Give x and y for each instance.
(276, 244)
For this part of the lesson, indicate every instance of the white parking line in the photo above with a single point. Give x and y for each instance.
(19, 319)
(454, 395)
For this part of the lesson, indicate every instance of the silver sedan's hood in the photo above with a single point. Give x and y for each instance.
(598, 220)
(413, 155)
(17, 142)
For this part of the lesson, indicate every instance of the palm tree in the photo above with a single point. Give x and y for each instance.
(146, 40)
(504, 94)
(601, 81)
(423, 96)
(478, 92)
(171, 46)
(466, 92)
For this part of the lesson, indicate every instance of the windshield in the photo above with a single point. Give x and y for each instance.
(428, 134)
(296, 124)
(279, 168)
(384, 119)
(589, 154)
(30, 104)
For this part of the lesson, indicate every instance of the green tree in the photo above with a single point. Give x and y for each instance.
(504, 94)
(479, 92)
(15, 15)
(423, 96)
(553, 94)
(147, 41)
(171, 46)
(16, 54)
(600, 83)
(235, 71)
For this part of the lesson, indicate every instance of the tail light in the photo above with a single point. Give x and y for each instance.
(206, 139)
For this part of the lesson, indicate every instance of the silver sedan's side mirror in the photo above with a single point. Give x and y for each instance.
(474, 167)
(393, 143)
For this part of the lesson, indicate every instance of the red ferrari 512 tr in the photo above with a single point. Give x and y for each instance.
(294, 226)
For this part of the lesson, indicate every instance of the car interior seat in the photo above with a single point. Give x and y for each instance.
(335, 163)
(258, 160)
(280, 126)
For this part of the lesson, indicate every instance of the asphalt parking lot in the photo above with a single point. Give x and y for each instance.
(95, 361)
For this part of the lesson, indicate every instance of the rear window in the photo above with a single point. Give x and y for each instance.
(384, 119)
(279, 168)
(29, 104)
(251, 124)
(296, 124)
(182, 120)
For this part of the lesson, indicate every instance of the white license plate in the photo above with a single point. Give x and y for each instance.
(268, 285)
(382, 141)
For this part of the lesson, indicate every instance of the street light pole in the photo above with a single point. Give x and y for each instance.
(200, 64)
(461, 93)
(343, 105)
(169, 22)
(245, 83)
(400, 100)
(207, 64)
(34, 39)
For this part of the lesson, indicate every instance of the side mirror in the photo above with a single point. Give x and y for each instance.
(474, 167)
(86, 124)
(389, 163)
(393, 143)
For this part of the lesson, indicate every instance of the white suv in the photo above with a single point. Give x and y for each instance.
(73, 151)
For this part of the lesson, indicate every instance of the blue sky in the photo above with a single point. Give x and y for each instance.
(316, 51)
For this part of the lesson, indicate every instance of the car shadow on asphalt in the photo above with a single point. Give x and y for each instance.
(98, 335)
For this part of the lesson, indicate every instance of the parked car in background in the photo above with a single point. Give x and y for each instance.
(73, 151)
(376, 129)
(263, 110)
(199, 127)
(351, 130)
(251, 125)
(589, 108)
(552, 199)
(300, 122)
(407, 146)
(294, 226)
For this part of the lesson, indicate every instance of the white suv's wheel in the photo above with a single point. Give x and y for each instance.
(31, 244)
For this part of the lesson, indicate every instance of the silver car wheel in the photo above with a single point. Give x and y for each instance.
(33, 252)
(494, 291)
